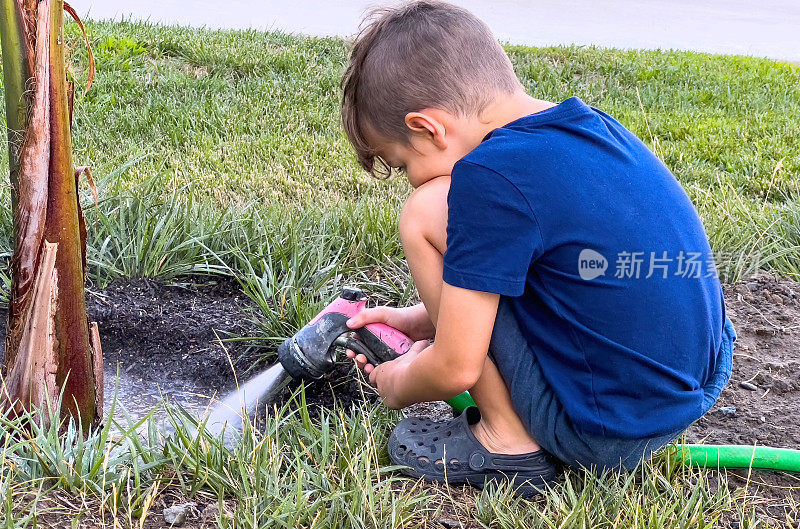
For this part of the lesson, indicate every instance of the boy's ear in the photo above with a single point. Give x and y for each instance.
(427, 123)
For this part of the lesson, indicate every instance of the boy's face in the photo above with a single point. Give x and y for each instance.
(436, 143)
(420, 160)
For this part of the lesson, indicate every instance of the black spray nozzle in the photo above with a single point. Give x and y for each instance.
(310, 352)
(352, 294)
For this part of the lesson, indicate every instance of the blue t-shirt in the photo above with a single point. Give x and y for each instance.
(605, 261)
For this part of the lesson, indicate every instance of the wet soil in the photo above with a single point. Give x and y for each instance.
(179, 333)
(173, 339)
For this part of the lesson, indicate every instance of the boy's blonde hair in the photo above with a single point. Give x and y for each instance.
(423, 54)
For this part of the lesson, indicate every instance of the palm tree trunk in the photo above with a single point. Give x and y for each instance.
(50, 346)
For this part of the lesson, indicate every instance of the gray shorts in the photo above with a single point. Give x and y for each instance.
(545, 418)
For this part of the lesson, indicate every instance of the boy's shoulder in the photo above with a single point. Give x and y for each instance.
(567, 139)
(531, 136)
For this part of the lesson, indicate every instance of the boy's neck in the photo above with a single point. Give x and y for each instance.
(504, 110)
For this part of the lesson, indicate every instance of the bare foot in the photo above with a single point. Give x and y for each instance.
(505, 442)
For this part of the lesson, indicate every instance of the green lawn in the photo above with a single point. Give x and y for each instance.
(220, 151)
(245, 116)
(249, 114)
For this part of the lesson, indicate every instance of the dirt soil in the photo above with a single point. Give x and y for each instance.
(761, 404)
(174, 333)
(55, 510)
(170, 335)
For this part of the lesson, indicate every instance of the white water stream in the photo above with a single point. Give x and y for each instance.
(258, 391)
(140, 397)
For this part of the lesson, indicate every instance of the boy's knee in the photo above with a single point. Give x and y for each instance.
(424, 215)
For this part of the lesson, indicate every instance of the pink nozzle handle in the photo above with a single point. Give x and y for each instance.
(377, 336)
(341, 306)
(393, 338)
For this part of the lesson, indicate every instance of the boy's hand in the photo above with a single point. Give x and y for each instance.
(383, 376)
(451, 365)
(412, 321)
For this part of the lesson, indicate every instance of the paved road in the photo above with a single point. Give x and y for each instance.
(766, 28)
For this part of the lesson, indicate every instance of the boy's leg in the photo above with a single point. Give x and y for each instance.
(423, 225)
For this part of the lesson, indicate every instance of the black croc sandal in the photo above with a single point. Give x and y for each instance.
(421, 445)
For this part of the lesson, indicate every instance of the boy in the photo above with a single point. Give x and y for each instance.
(562, 269)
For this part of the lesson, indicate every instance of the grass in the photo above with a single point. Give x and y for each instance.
(332, 471)
(250, 117)
(220, 152)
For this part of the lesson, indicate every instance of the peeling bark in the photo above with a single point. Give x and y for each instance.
(97, 363)
(32, 375)
(31, 190)
(51, 348)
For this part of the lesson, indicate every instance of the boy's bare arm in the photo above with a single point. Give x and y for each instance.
(453, 363)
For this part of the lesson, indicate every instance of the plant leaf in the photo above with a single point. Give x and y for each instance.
(69, 9)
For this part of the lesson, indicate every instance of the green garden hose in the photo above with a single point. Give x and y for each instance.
(736, 456)
(709, 456)
(461, 402)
